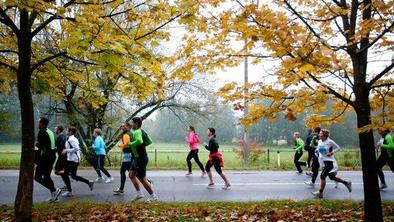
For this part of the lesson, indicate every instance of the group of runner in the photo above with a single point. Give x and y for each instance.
(135, 158)
(321, 149)
(133, 142)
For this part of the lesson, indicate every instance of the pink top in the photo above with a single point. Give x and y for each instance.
(193, 141)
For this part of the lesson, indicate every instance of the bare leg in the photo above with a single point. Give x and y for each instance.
(322, 185)
(134, 180)
(210, 177)
(224, 178)
(147, 185)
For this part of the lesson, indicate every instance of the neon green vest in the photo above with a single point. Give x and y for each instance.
(52, 138)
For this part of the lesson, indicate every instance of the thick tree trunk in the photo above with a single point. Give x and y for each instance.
(24, 196)
(372, 200)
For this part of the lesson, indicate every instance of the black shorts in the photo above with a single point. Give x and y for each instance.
(139, 166)
(61, 163)
(328, 166)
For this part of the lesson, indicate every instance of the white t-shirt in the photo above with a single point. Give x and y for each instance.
(323, 147)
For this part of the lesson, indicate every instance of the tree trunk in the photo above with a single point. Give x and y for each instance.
(372, 200)
(24, 196)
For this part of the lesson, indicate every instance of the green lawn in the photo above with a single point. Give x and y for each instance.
(172, 156)
(283, 210)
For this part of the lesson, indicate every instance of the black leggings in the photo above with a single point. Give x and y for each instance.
(216, 163)
(297, 163)
(311, 154)
(72, 168)
(99, 165)
(193, 154)
(315, 167)
(382, 160)
(43, 172)
(125, 167)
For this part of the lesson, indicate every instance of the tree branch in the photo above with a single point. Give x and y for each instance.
(157, 28)
(380, 75)
(8, 66)
(8, 22)
(47, 59)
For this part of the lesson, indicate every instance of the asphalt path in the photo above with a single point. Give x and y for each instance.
(175, 186)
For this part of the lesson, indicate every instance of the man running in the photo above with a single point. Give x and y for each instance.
(327, 148)
(298, 146)
(60, 146)
(73, 158)
(386, 145)
(126, 160)
(140, 160)
(315, 160)
(215, 159)
(99, 148)
(45, 158)
(308, 148)
(193, 141)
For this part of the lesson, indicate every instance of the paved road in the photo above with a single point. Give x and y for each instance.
(175, 186)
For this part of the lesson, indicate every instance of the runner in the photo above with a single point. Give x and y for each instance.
(61, 159)
(299, 145)
(99, 148)
(386, 145)
(315, 160)
(215, 159)
(45, 157)
(140, 160)
(126, 160)
(193, 141)
(327, 148)
(73, 159)
(308, 148)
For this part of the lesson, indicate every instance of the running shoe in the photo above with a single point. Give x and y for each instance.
(109, 180)
(203, 174)
(64, 188)
(119, 192)
(99, 179)
(309, 174)
(310, 183)
(317, 194)
(189, 174)
(153, 197)
(336, 184)
(226, 187)
(54, 195)
(299, 173)
(91, 184)
(67, 194)
(383, 186)
(211, 186)
(139, 196)
(349, 186)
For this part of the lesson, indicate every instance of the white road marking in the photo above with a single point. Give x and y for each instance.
(262, 184)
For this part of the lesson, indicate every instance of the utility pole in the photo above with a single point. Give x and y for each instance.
(246, 110)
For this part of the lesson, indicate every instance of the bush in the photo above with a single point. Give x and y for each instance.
(256, 151)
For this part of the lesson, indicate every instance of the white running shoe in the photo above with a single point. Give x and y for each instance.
(336, 184)
(109, 180)
(99, 179)
(317, 194)
(67, 194)
(211, 186)
(310, 183)
(383, 186)
(54, 195)
(153, 197)
(226, 187)
(139, 196)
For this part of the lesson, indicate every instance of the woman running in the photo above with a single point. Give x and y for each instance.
(73, 159)
(215, 159)
(327, 147)
(386, 145)
(99, 149)
(193, 141)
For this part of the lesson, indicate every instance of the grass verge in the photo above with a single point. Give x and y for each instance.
(286, 210)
